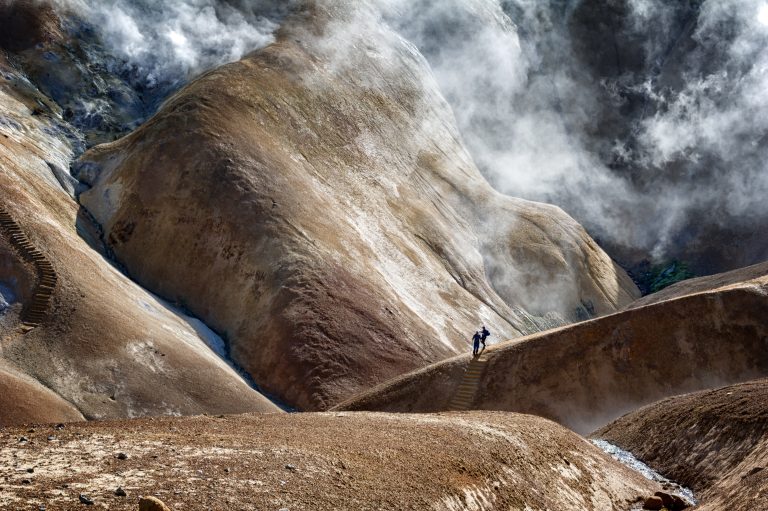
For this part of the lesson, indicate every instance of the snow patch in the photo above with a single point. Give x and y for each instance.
(7, 296)
(628, 459)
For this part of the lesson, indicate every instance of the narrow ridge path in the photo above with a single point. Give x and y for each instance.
(465, 393)
(35, 311)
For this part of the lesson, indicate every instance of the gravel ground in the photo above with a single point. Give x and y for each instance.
(478, 460)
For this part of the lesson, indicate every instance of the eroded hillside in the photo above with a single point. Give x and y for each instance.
(587, 374)
(714, 441)
(77, 337)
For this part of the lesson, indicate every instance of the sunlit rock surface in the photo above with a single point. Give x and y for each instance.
(314, 204)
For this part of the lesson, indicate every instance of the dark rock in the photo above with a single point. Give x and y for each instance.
(290, 467)
(122, 456)
(84, 499)
(671, 502)
(119, 492)
(653, 503)
(666, 498)
(26, 481)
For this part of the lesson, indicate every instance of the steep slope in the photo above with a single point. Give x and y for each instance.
(314, 204)
(714, 441)
(77, 338)
(481, 461)
(584, 375)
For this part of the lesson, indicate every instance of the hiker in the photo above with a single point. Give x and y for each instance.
(476, 343)
(484, 334)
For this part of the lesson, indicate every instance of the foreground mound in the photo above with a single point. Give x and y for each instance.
(318, 461)
(587, 374)
(715, 442)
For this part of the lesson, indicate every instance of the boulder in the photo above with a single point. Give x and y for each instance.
(152, 504)
(654, 503)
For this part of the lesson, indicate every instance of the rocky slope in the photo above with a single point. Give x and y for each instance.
(587, 374)
(714, 441)
(321, 213)
(95, 344)
(481, 461)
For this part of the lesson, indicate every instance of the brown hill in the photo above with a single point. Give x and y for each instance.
(584, 375)
(751, 275)
(79, 339)
(317, 461)
(313, 202)
(716, 442)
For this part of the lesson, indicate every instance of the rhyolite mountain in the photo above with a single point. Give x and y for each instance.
(321, 213)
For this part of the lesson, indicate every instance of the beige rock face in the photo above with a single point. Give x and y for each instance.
(314, 204)
(350, 461)
(587, 374)
(105, 347)
(716, 442)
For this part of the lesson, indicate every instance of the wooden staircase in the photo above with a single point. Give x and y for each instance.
(465, 393)
(34, 313)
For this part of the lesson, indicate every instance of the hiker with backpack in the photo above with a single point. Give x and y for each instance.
(484, 334)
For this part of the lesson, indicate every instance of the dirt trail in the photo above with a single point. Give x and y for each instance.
(465, 393)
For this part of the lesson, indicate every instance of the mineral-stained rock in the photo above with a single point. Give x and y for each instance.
(313, 202)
